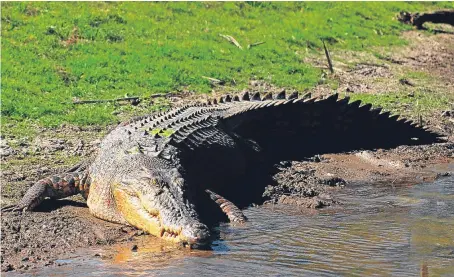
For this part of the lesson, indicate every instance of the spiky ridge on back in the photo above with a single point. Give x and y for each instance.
(197, 124)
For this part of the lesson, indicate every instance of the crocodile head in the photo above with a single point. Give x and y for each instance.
(156, 201)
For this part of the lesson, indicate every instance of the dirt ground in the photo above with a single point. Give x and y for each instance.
(58, 228)
(313, 183)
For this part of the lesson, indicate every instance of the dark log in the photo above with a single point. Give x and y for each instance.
(418, 20)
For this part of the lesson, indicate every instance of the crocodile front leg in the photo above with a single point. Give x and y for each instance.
(56, 187)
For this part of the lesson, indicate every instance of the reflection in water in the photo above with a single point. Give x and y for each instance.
(151, 253)
(380, 231)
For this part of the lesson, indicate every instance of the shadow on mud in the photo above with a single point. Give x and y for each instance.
(49, 205)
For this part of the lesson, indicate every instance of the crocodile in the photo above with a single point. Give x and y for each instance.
(165, 173)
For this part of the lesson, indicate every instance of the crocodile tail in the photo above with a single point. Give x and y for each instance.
(289, 127)
(233, 212)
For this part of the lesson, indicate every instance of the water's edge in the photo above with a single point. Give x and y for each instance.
(383, 231)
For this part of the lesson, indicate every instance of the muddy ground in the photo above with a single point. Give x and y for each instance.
(58, 228)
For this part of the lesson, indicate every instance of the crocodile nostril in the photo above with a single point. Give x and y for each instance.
(197, 233)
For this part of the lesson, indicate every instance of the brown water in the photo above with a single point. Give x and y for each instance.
(381, 230)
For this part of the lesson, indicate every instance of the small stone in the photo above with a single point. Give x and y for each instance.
(317, 158)
(447, 114)
(48, 263)
(442, 174)
(5, 152)
(285, 163)
(3, 143)
(134, 248)
(407, 82)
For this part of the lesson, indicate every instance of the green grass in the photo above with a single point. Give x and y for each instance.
(417, 75)
(145, 48)
(409, 105)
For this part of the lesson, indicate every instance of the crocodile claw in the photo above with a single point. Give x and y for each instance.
(11, 208)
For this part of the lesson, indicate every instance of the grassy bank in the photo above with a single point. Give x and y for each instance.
(54, 52)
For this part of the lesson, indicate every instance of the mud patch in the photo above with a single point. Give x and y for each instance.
(300, 185)
(36, 239)
(313, 184)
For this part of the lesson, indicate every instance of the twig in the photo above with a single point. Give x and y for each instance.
(374, 64)
(156, 95)
(255, 44)
(232, 40)
(170, 94)
(213, 80)
(132, 99)
(328, 57)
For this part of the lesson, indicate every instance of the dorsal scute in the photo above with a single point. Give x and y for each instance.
(394, 117)
(385, 114)
(355, 104)
(268, 96)
(333, 97)
(280, 95)
(366, 107)
(245, 96)
(292, 96)
(256, 97)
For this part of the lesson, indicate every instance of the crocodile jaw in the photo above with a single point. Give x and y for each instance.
(186, 231)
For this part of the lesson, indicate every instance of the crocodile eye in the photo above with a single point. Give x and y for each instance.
(159, 191)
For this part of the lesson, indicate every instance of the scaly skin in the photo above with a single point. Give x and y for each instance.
(153, 172)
